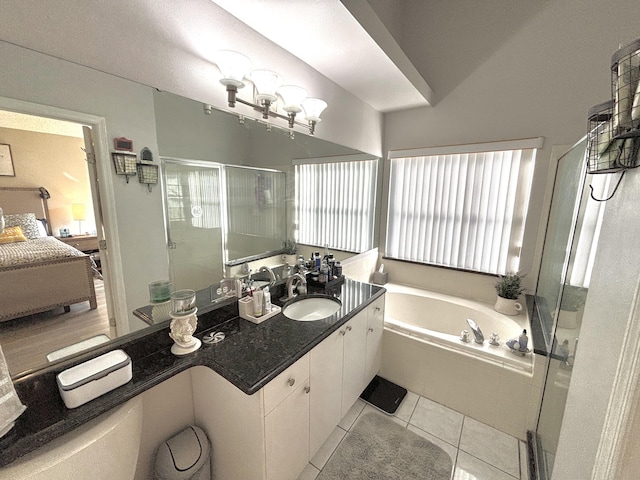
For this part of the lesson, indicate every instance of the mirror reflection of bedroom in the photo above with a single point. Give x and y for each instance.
(51, 276)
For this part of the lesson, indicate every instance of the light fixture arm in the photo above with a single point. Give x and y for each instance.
(265, 108)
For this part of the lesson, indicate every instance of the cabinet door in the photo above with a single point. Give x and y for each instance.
(325, 375)
(375, 326)
(355, 346)
(287, 435)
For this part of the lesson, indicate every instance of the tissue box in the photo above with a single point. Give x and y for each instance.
(95, 377)
(380, 278)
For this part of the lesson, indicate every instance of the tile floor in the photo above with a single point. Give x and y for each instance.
(478, 451)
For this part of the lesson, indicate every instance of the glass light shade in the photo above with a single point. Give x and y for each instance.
(292, 97)
(234, 66)
(267, 84)
(313, 108)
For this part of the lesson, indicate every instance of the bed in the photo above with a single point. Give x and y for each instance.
(41, 273)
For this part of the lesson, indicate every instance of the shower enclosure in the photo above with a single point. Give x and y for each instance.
(571, 241)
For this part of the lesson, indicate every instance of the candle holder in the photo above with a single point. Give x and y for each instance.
(182, 328)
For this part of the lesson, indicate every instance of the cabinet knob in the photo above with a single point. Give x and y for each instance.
(307, 389)
(377, 309)
(371, 329)
(292, 382)
(349, 328)
(342, 332)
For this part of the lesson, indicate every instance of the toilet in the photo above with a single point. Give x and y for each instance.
(184, 456)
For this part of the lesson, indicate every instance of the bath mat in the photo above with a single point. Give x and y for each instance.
(377, 448)
(383, 394)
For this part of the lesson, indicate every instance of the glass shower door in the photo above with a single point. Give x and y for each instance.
(570, 244)
(193, 216)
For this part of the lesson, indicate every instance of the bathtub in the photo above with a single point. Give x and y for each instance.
(422, 351)
(439, 319)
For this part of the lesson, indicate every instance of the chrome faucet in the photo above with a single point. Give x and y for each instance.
(291, 284)
(272, 276)
(476, 331)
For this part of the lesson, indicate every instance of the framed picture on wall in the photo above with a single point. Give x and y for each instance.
(6, 162)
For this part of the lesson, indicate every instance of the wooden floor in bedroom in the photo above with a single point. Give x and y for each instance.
(26, 341)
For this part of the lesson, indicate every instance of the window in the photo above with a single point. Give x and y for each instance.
(461, 207)
(335, 204)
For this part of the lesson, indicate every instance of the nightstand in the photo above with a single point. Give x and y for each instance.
(87, 244)
(84, 243)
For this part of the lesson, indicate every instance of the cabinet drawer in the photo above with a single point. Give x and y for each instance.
(286, 383)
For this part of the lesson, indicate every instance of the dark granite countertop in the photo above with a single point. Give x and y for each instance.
(249, 357)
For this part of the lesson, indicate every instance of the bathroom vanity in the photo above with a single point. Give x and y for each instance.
(268, 395)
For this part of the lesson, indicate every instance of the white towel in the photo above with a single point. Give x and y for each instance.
(10, 405)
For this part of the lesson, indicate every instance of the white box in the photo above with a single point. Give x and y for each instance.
(95, 377)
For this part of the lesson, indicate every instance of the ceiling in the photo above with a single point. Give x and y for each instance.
(126, 38)
(326, 35)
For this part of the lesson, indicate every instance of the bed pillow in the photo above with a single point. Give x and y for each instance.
(12, 235)
(42, 227)
(26, 221)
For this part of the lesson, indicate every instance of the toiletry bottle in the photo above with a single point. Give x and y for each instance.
(324, 273)
(318, 261)
(338, 269)
(523, 340)
(331, 262)
(266, 298)
(258, 297)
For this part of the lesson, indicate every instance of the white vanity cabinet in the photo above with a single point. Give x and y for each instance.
(375, 327)
(340, 369)
(273, 433)
(354, 360)
(286, 422)
(325, 370)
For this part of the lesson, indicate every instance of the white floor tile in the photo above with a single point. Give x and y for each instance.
(469, 467)
(328, 447)
(491, 446)
(437, 420)
(448, 448)
(350, 417)
(406, 407)
(370, 408)
(309, 473)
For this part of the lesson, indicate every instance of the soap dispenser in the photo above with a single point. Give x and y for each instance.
(523, 340)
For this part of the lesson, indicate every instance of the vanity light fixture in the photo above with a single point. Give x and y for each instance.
(268, 85)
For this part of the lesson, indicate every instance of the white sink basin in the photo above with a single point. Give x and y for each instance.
(309, 309)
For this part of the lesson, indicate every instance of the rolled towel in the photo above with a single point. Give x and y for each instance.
(10, 405)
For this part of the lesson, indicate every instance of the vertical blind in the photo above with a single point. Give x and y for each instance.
(335, 204)
(460, 210)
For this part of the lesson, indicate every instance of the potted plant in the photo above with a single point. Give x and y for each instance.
(509, 289)
(289, 250)
(571, 306)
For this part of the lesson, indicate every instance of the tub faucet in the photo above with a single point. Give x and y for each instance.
(476, 331)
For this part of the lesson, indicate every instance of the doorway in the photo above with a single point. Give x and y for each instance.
(77, 207)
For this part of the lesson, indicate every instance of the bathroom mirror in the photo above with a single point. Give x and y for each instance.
(185, 131)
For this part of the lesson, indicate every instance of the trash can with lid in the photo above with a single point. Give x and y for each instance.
(184, 456)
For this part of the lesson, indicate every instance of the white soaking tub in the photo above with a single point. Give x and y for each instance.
(439, 319)
(422, 351)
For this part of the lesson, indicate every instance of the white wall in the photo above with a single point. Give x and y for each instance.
(541, 81)
(537, 77)
(129, 112)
